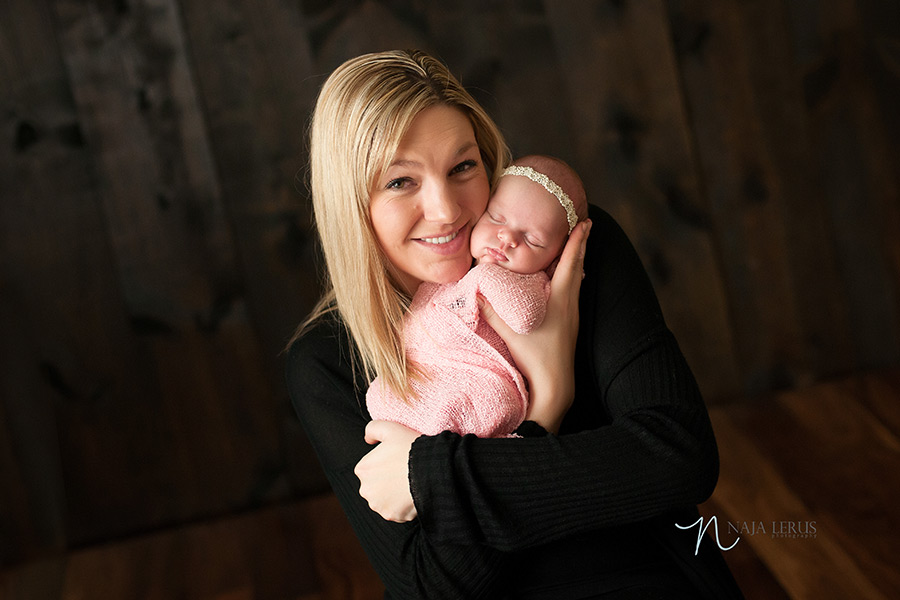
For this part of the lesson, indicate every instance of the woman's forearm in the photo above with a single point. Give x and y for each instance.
(521, 492)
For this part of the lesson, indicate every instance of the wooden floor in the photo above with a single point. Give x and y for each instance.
(808, 488)
(818, 473)
(303, 551)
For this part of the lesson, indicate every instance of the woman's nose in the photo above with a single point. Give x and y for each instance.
(441, 205)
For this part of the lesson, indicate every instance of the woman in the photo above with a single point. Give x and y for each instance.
(403, 160)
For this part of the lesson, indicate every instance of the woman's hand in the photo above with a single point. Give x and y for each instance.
(384, 472)
(546, 356)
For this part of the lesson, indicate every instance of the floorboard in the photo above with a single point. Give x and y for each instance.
(807, 490)
(809, 477)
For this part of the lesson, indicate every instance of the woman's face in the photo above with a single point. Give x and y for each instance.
(427, 201)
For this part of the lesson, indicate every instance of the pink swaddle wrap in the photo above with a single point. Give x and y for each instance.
(472, 384)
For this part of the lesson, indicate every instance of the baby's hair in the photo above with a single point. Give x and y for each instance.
(564, 176)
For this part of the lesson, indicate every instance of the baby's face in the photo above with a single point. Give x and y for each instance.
(523, 229)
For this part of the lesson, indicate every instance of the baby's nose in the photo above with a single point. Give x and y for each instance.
(507, 238)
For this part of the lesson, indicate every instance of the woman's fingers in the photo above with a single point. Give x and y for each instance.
(570, 270)
(381, 431)
(376, 431)
(493, 319)
(384, 473)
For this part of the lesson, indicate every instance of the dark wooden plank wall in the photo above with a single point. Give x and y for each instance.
(156, 247)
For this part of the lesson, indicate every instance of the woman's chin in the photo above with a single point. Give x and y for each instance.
(451, 273)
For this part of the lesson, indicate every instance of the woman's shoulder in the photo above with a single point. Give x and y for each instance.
(322, 362)
(327, 393)
(605, 230)
(327, 325)
(610, 255)
(618, 303)
(323, 342)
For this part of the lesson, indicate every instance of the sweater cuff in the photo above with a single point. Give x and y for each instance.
(530, 429)
(434, 491)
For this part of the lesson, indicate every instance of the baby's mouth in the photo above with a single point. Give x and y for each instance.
(496, 255)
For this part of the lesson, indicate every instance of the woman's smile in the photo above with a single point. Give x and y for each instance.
(447, 244)
(441, 240)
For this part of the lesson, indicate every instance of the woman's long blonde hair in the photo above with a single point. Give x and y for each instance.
(362, 112)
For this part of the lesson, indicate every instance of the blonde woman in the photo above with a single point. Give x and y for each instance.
(402, 164)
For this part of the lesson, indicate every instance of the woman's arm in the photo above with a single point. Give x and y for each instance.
(331, 408)
(636, 442)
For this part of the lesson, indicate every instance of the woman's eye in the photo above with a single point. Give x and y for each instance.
(398, 184)
(463, 166)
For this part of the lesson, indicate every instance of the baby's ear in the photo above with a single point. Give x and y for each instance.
(552, 268)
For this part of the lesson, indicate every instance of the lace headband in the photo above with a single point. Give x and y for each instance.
(548, 185)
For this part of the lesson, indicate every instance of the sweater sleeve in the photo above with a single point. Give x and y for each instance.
(331, 408)
(637, 441)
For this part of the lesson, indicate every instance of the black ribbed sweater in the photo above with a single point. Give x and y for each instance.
(589, 511)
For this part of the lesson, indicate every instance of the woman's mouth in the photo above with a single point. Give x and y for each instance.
(441, 240)
(448, 244)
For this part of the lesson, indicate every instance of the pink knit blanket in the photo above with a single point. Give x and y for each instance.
(472, 383)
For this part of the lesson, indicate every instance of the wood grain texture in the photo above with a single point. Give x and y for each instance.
(257, 97)
(175, 261)
(634, 150)
(855, 163)
(816, 455)
(299, 551)
(744, 183)
(69, 344)
(157, 246)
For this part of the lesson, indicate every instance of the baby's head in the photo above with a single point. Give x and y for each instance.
(526, 223)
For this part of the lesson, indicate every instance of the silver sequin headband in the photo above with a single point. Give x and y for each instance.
(548, 185)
